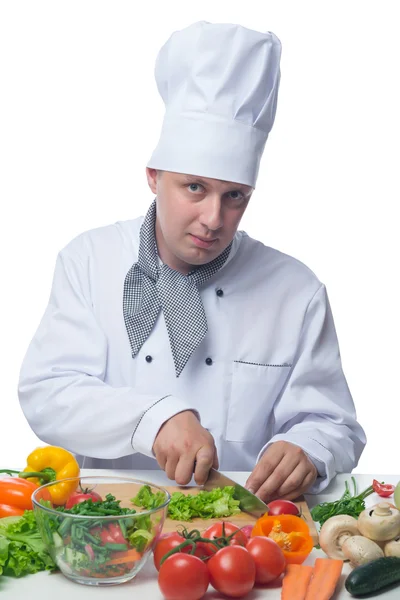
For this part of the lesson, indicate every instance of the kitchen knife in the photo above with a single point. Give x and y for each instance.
(249, 503)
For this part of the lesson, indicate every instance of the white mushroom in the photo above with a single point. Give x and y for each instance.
(334, 532)
(360, 550)
(392, 548)
(380, 523)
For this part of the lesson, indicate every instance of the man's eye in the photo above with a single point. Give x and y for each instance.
(235, 195)
(194, 187)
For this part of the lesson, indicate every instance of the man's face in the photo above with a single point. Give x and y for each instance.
(197, 217)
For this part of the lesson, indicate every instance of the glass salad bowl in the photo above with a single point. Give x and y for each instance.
(101, 535)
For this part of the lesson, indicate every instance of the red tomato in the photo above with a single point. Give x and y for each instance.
(247, 529)
(232, 571)
(78, 497)
(171, 540)
(282, 507)
(268, 557)
(109, 534)
(183, 577)
(215, 531)
(116, 533)
(165, 544)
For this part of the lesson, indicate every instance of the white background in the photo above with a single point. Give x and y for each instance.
(80, 115)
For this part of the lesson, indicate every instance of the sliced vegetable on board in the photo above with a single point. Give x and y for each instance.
(216, 503)
(291, 533)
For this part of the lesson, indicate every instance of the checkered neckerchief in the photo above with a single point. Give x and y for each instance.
(149, 287)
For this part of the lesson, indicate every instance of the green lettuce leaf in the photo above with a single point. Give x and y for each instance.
(22, 550)
(148, 499)
(205, 505)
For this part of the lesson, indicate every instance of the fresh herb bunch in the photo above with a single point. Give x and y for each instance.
(348, 504)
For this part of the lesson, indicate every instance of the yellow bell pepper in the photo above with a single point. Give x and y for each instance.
(51, 463)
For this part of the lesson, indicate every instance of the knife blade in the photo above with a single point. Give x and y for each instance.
(248, 502)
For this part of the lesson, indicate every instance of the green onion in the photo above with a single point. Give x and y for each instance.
(116, 547)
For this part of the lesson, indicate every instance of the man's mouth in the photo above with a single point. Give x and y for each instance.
(202, 242)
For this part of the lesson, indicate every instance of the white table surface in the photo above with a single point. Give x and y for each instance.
(54, 586)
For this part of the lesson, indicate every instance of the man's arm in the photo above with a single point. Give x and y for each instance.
(62, 390)
(315, 411)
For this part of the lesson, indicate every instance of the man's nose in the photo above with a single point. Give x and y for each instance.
(211, 216)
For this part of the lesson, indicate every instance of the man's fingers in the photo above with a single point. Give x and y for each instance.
(184, 469)
(170, 466)
(264, 468)
(290, 464)
(215, 461)
(295, 481)
(204, 462)
(295, 493)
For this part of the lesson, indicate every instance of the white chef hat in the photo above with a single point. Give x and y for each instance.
(219, 83)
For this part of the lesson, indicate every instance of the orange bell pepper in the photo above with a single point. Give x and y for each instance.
(291, 533)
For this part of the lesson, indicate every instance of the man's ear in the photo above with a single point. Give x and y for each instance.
(152, 177)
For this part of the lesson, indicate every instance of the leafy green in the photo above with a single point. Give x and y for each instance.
(348, 504)
(22, 550)
(185, 507)
(148, 499)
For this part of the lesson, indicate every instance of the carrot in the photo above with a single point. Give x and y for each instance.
(295, 582)
(124, 557)
(326, 574)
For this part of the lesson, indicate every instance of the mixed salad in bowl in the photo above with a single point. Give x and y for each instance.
(97, 536)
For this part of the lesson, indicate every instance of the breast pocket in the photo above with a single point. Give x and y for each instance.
(255, 388)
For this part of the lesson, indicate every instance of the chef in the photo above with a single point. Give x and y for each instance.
(175, 340)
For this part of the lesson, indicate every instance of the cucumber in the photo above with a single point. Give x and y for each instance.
(373, 576)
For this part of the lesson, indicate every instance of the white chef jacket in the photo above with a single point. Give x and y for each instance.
(268, 369)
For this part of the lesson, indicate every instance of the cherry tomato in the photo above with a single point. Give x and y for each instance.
(232, 571)
(383, 489)
(282, 507)
(268, 557)
(116, 533)
(183, 577)
(215, 531)
(78, 497)
(109, 534)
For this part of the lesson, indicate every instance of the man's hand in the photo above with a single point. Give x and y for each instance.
(182, 446)
(284, 471)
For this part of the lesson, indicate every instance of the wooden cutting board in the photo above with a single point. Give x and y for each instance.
(240, 519)
(126, 491)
